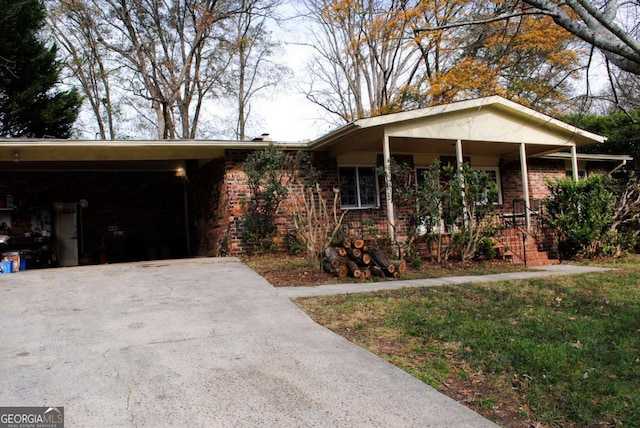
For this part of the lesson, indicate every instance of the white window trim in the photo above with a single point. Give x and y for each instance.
(359, 205)
(582, 173)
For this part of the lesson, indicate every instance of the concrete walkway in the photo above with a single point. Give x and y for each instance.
(200, 342)
(539, 272)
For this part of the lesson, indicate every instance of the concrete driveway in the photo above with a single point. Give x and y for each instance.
(200, 342)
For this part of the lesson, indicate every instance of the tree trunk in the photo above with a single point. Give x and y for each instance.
(354, 269)
(341, 271)
(377, 271)
(333, 258)
(381, 259)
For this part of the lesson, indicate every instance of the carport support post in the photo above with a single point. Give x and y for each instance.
(386, 155)
(524, 171)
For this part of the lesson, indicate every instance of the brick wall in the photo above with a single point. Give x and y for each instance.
(209, 204)
(221, 190)
(539, 171)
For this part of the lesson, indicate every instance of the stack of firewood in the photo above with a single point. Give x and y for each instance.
(353, 258)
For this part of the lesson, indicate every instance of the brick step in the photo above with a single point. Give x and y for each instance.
(512, 251)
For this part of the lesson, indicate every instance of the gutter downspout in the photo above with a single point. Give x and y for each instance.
(624, 162)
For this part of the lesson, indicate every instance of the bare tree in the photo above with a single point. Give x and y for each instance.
(252, 68)
(362, 59)
(77, 32)
(380, 56)
(172, 54)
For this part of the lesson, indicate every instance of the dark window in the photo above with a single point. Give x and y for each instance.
(358, 187)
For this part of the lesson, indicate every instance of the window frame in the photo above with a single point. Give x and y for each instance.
(478, 169)
(485, 169)
(359, 204)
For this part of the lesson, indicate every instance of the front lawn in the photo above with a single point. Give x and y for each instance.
(563, 351)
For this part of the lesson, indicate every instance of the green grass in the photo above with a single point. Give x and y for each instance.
(563, 351)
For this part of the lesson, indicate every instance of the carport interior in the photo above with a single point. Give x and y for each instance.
(122, 211)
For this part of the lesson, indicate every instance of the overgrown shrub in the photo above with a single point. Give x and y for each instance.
(582, 211)
(270, 173)
(446, 199)
(626, 225)
(267, 189)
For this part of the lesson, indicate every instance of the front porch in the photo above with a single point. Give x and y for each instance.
(509, 142)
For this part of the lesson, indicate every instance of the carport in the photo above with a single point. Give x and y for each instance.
(70, 202)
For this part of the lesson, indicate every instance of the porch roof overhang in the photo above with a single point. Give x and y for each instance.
(487, 126)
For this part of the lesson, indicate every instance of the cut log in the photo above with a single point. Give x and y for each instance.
(361, 261)
(382, 259)
(357, 243)
(400, 266)
(332, 256)
(341, 271)
(354, 269)
(366, 259)
(354, 254)
(366, 273)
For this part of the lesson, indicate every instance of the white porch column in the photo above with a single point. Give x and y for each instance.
(574, 163)
(386, 154)
(524, 171)
(459, 163)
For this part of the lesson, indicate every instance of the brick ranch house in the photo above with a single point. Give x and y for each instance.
(68, 202)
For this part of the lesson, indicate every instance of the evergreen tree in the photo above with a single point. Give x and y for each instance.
(621, 129)
(30, 106)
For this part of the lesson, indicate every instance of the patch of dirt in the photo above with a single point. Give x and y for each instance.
(504, 411)
(284, 270)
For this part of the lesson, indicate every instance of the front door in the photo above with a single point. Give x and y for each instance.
(66, 233)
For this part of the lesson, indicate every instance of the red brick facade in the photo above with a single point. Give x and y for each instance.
(540, 170)
(221, 190)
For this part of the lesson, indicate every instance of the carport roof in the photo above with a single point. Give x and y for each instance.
(493, 125)
(19, 150)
